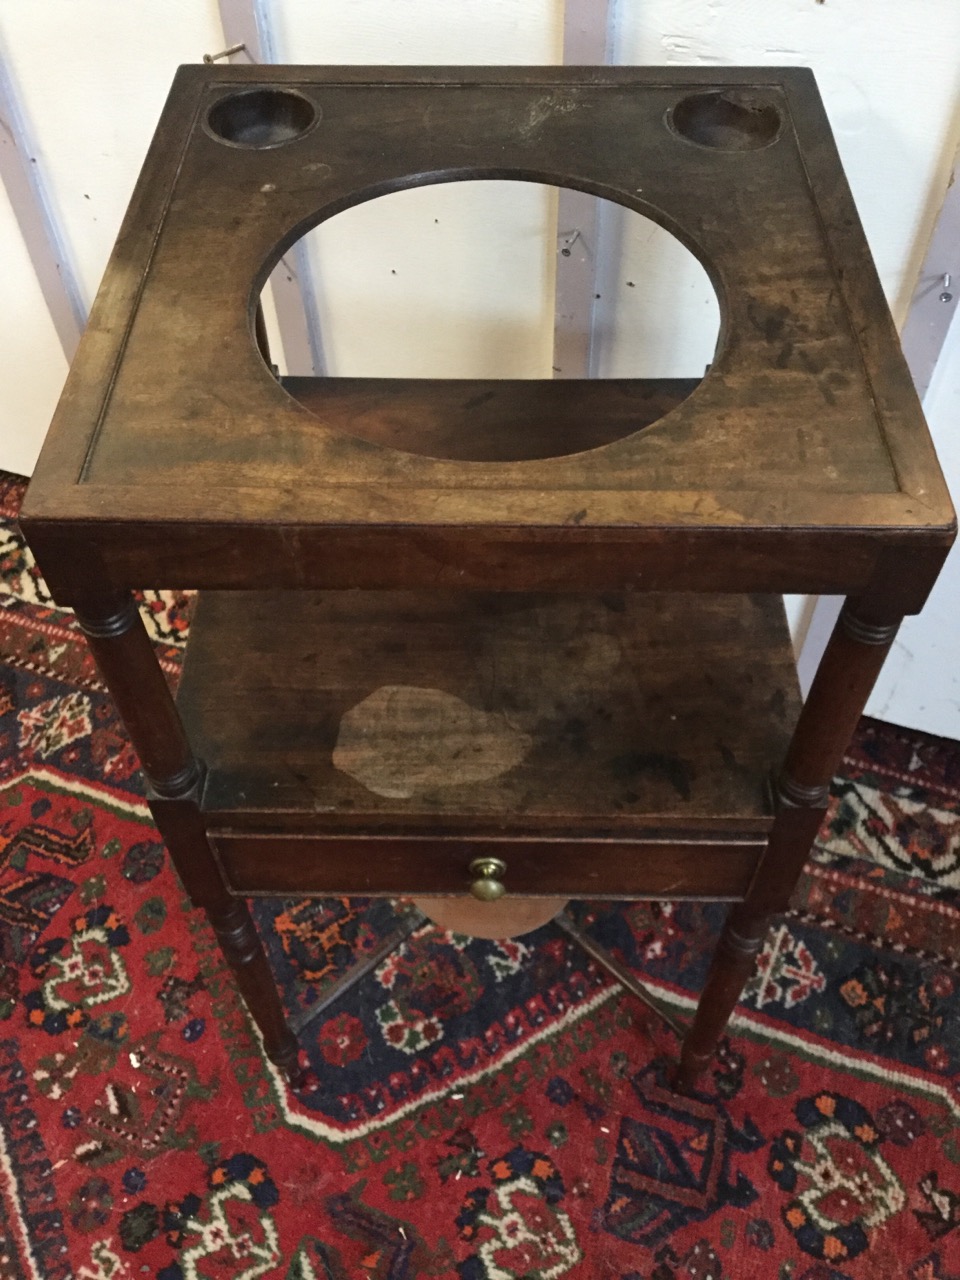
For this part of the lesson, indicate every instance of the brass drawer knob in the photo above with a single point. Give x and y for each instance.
(487, 887)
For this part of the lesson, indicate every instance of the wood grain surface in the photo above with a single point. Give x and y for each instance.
(556, 715)
(265, 865)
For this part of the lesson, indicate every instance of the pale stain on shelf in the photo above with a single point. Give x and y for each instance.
(401, 740)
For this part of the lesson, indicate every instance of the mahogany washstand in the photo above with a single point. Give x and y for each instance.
(520, 635)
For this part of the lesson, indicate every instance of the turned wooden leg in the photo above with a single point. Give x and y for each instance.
(181, 825)
(850, 665)
(129, 667)
(743, 936)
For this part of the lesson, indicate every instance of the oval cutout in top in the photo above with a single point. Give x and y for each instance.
(438, 307)
(261, 118)
(731, 120)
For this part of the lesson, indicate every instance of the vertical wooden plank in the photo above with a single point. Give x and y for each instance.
(821, 614)
(298, 319)
(473, 263)
(919, 687)
(33, 364)
(247, 22)
(89, 82)
(586, 41)
(935, 298)
(37, 219)
(932, 309)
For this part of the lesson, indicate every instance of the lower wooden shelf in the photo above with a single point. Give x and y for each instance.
(378, 741)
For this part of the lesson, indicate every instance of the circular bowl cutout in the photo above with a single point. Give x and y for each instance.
(261, 118)
(730, 120)
(438, 313)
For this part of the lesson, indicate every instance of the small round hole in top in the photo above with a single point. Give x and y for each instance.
(731, 120)
(261, 118)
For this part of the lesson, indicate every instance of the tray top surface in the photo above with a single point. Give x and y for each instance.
(806, 418)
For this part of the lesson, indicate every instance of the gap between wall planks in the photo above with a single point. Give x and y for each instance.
(586, 41)
(294, 294)
(934, 301)
(36, 217)
(587, 38)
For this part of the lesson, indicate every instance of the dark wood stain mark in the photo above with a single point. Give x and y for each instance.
(678, 772)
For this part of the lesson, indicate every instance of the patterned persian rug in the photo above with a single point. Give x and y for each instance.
(488, 1111)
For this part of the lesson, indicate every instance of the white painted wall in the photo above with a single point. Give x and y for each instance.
(375, 32)
(457, 280)
(919, 686)
(475, 265)
(92, 78)
(453, 280)
(889, 72)
(32, 363)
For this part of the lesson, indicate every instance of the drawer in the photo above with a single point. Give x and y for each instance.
(277, 865)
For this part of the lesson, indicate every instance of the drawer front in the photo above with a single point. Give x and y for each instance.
(272, 865)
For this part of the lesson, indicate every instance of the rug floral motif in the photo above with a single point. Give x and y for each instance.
(485, 1110)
